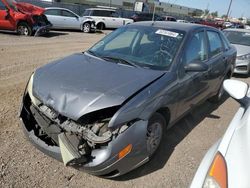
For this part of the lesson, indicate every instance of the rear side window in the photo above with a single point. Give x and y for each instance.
(67, 14)
(53, 12)
(103, 13)
(226, 43)
(215, 43)
(197, 49)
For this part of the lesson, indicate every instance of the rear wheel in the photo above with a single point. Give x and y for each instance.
(217, 98)
(24, 29)
(155, 131)
(86, 28)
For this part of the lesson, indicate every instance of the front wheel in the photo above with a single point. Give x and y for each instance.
(155, 131)
(86, 28)
(24, 29)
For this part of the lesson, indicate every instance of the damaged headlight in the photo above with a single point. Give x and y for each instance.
(244, 57)
(29, 90)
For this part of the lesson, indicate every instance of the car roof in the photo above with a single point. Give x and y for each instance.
(58, 8)
(187, 27)
(238, 30)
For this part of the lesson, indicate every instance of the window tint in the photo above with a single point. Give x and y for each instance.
(215, 43)
(67, 14)
(2, 6)
(197, 48)
(104, 13)
(53, 12)
(226, 43)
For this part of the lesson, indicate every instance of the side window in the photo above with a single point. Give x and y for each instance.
(53, 12)
(197, 49)
(67, 14)
(104, 13)
(225, 42)
(215, 43)
(2, 6)
(115, 14)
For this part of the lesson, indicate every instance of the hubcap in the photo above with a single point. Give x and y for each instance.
(86, 28)
(22, 30)
(154, 134)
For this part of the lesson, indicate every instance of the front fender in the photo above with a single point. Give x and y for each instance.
(158, 94)
(205, 164)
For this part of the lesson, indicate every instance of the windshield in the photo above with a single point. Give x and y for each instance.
(238, 37)
(143, 46)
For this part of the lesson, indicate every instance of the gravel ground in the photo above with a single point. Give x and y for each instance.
(21, 165)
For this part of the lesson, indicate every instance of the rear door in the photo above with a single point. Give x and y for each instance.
(6, 22)
(217, 60)
(117, 20)
(54, 16)
(70, 20)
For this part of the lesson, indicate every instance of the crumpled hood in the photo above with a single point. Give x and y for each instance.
(242, 50)
(29, 8)
(80, 84)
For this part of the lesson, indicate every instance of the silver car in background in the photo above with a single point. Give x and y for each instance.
(62, 18)
(226, 164)
(240, 38)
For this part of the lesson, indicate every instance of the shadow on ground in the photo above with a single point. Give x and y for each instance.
(173, 137)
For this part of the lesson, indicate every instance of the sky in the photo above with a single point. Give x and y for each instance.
(239, 8)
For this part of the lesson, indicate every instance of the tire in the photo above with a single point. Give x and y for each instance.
(100, 26)
(86, 28)
(217, 98)
(155, 131)
(24, 29)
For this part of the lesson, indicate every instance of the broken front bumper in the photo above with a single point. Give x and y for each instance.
(41, 30)
(105, 160)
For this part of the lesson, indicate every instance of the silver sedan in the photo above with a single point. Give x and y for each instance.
(62, 18)
(226, 164)
(240, 38)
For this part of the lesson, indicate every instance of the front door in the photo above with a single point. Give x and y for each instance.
(194, 86)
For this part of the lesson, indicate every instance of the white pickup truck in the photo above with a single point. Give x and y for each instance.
(106, 18)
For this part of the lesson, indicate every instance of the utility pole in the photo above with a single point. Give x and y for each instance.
(229, 8)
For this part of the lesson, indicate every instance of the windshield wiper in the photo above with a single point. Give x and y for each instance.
(119, 60)
(93, 53)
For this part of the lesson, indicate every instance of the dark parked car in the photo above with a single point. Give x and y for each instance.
(105, 111)
(141, 16)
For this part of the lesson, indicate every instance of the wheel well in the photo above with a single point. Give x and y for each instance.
(98, 26)
(165, 112)
(85, 23)
(229, 74)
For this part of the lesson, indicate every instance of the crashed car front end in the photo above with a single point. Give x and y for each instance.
(86, 144)
(40, 24)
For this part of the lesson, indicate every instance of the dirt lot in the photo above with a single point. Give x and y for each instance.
(21, 165)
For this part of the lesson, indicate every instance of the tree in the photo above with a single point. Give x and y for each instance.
(206, 12)
(224, 16)
(214, 14)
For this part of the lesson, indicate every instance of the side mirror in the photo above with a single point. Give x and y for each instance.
(196, 66)
(236, 89)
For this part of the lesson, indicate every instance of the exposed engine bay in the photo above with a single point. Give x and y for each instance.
(76, 140)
